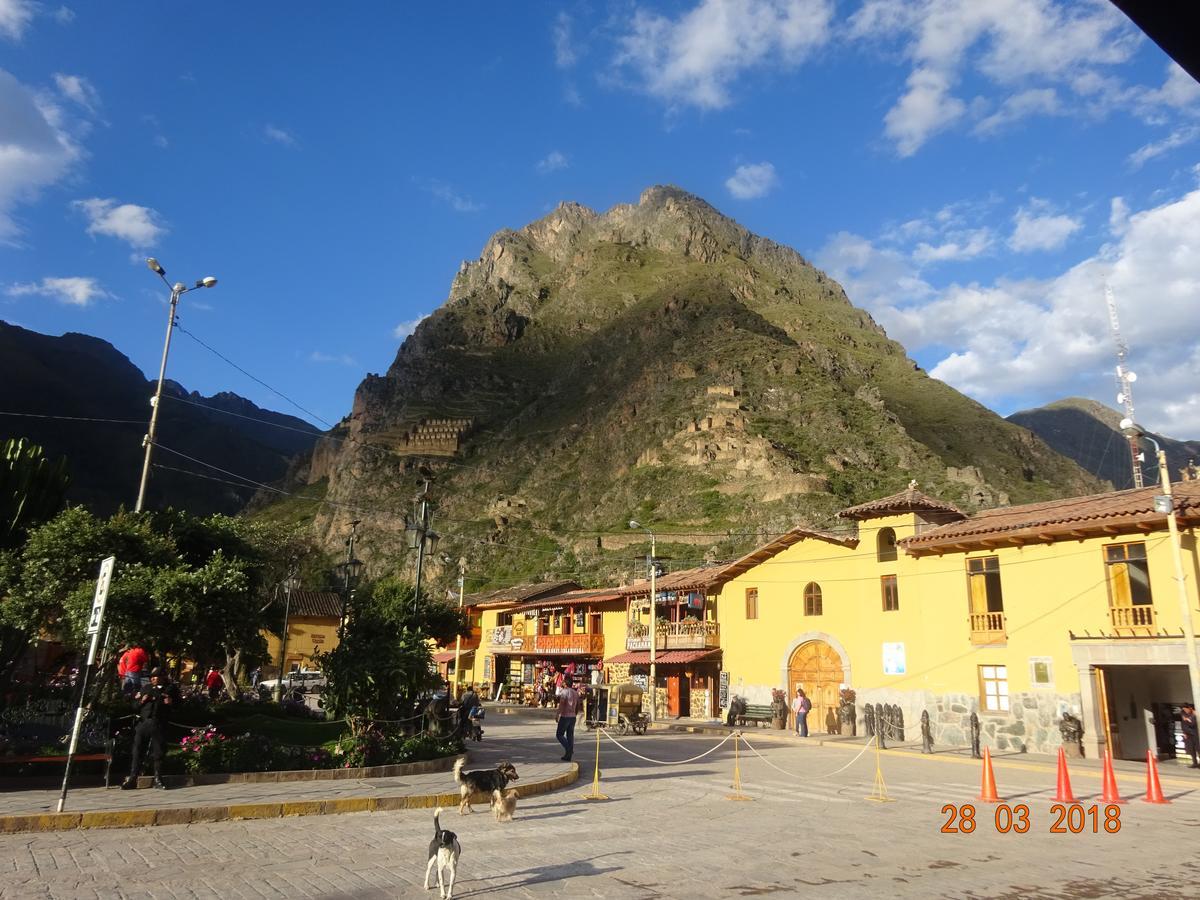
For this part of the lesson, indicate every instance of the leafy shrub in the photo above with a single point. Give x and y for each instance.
(375, 747)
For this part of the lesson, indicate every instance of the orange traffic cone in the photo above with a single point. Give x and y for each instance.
(1110, 794)
(1154, 792)
(987, 792)
(1063, 793)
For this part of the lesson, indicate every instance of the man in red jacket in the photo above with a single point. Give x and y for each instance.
(131, 669)
(214, 682)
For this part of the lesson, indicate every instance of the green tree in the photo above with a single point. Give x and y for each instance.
(384, 661)
(32, 489)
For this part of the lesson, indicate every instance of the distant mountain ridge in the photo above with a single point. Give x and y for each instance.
(82, 376)
(1090, 433)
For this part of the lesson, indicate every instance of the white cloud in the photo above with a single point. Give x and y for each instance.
(1035, 101)
(64, 15)
(926, 109)
(552, 162)
(1049, 338)
(565, 55)
(752, 180)
(74, 291)
(404, 329)
(138, 226)
(1020, 48)
(160, 141)
(1118, 216)
(15, 16)
(278, 135)
(36, 148)
(1177, 138)
(971, 245)
(341, 359)
(695, 59)
(78, 89)
(1035, 231)
(448, 195)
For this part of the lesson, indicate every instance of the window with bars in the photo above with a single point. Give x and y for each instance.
(751, 603)
(812, 599)
(891, 594)
(993, 688)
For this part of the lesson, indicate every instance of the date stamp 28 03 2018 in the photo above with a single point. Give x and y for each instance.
(1069, 818)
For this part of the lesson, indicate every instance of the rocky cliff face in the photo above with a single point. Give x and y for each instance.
(656, 360)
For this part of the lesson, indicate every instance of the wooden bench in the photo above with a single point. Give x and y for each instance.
(105, 758)
(756, 714)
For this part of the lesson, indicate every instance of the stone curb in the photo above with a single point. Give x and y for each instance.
(138, 818)
(424, 767)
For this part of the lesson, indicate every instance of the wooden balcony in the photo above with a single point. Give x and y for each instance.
(581, 644)
(988, 628)
(676, 636)
(1134, 619)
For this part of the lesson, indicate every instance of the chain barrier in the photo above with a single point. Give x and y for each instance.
(674, 762)
(865, 748)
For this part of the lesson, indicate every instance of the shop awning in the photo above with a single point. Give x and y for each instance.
(667, 657)
(445, 656)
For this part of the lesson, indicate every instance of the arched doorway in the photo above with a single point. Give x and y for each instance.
(817, 668)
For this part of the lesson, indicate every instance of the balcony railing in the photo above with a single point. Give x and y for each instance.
(585, 644)
(1136, 617)
(676, 636)
(987, 628)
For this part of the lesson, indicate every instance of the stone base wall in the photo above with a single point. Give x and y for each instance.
(699, 704)
(1029, 726)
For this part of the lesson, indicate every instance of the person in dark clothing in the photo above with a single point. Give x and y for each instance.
(154, 703)
(1191, 737)
(466, 704)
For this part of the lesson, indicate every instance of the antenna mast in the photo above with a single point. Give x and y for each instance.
(1125, 380)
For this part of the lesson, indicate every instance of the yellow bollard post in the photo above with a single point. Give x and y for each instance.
(737, 773)
(595, 794)
(879, 789)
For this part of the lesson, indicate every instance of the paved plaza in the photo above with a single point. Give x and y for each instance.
(667, 831)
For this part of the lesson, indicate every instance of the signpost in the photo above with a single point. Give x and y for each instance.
(94, 623)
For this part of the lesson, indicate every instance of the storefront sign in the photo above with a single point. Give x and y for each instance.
(642, 681)
(317, 638)
(893, 659)
(487, 668)
(723, 695)
(517, 643)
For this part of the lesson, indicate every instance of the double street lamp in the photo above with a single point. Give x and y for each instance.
(178, 289)
(653, 624)
(289, 584)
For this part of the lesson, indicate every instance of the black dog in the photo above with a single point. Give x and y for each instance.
(444, 851)
(481, 781)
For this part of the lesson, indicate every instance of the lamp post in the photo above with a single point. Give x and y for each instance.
(289, 584)
(462, 580)
(350, 571)
(1166, 504)
(422, 538)
(653, 626)
(178, 289)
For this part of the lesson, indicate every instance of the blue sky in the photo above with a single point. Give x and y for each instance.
(971, 172)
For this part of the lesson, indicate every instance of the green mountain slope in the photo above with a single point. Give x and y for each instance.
(656, 360)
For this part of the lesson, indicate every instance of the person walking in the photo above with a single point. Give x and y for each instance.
(131, 668)
(1191, 737)
(568, 709)
(466, 705)
(800, 707)
(154, 702)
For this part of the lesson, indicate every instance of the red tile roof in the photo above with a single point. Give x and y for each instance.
(781, 543)
(667, 657)
(316, 605)
(683, 580)
(519, 593)
(448, 655)
(908, 500)
(572, 598)
(1112, 513)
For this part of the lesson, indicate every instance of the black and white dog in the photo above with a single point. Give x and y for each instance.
(481, 781)
(444, 851)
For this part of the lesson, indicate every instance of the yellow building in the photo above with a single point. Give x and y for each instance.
(313, 619)
(1019, 614)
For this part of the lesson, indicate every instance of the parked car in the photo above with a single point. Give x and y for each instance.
(304, 681)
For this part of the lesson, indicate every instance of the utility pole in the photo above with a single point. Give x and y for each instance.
(422, 538)
(1125, 380)
(653, 623)
(288, 585)
(177, 290)
(350, 570)
(462, 580)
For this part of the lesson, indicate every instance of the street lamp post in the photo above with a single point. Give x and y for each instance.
(462, 580)
(653, 626)
(350, 571)
(177, 290)
(422, 538)
(289, 584)
(1168, 506)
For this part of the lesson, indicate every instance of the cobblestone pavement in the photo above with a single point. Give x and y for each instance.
(667, 831)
